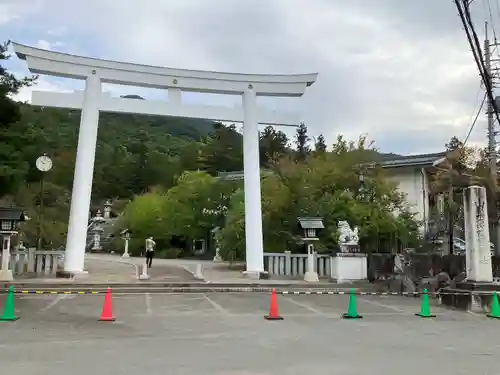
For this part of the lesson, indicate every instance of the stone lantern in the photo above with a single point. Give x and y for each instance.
(126, 235)
(9, 219)
(310, 225)
(97, 230)
(107, 209)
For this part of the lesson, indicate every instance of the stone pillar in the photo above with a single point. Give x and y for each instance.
(97, 241)
(311, 276)
(477, 235)
(251, 168)
(5, 271)
(107, 209)
(82, 182)
(125, 253)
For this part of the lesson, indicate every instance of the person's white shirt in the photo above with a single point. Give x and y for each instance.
(150, 244)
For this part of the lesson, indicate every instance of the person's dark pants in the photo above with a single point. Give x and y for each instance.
(149, 258)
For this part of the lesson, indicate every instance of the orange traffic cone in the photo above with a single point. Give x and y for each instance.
(273, 308)
(107, 309)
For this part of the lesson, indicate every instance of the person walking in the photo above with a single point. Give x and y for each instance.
(150, 251)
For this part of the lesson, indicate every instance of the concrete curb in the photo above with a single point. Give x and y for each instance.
(69, 284)
(187, 290)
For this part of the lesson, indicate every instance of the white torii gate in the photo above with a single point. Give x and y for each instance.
(92, 100)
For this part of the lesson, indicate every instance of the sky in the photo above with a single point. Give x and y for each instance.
(400, 72)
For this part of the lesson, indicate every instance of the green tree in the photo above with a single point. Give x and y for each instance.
(187, 209)
(222, 151)
(326, 186)
(457, 154)
(320, 144)
(302, 142)
(13, 167)
(273, 145)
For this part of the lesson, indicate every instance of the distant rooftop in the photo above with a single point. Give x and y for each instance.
(386, 161)
(400, 161)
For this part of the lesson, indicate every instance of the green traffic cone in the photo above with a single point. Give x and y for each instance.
(425, 309)
(352, 310)
(8, 312)
(495, 307)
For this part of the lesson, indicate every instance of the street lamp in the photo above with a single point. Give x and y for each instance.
(310, 225)
(361, 179)
(43, 164)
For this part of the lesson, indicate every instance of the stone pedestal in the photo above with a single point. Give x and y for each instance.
(75, 275)
(217, 257)
(349, 248)
(6, 275)
(311, 277)
(349, 267)
(253, 275)
(470, 296)
(144, 275)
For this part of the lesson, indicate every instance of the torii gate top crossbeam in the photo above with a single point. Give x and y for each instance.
(78, 67)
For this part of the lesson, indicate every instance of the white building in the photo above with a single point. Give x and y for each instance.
(412, 175)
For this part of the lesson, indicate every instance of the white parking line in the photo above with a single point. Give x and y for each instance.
(58, 299)
(148, 304)
(217, 306)
(307, 307)
(389, 307)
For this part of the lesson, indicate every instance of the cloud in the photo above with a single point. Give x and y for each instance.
(12, 10)
(58, 31)
(400, 71)
(43, 44)
(43, 84)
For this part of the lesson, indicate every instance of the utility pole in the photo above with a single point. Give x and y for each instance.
(492, 152)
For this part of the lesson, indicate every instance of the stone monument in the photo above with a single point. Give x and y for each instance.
(349, 264)
(477, 236)
(348, 238)
(97, 231)
(474, 293)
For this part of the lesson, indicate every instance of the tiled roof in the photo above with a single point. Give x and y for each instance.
(421, 160)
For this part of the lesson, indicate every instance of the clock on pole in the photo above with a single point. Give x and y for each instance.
(44, 163)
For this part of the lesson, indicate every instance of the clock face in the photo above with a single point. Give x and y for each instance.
(44, 163)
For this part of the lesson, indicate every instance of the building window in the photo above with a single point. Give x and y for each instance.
(6, 225)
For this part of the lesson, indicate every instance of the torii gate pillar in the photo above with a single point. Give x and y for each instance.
(251, 171)
(74, 259)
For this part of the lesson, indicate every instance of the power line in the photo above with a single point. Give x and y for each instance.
(476, 100)
(485, 72)
(492, 22)
(475, 119)
(476, 51)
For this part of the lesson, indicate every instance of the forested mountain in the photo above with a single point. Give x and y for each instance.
(132, 151)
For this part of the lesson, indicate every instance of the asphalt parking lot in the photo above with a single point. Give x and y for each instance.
(225, 333)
